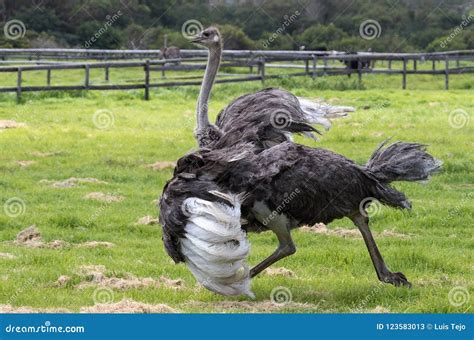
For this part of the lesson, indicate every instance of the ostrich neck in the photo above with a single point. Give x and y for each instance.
(212, 67)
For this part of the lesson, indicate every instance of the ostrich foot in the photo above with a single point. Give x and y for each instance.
(397, 279)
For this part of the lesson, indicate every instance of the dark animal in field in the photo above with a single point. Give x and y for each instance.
(171, 52)
(249, 177)
(353, 64)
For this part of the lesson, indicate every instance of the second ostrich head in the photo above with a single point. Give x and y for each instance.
(205, 132)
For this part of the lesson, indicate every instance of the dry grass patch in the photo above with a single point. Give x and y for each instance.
(161, 165)
(279, 271)
(71, 182)
(10, 124)
(31, 237)
(25, 164)
(94, 275)
(128, 306)
(321, 228)
(147, 220)
(100, 196)
(7, 256)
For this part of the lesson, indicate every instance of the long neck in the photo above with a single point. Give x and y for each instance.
(212, 67)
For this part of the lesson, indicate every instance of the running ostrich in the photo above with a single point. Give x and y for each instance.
(266, 117)
(248, 177)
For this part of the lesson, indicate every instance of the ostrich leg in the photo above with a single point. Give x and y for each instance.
(279, 225)
(285, 248)
(383, 273)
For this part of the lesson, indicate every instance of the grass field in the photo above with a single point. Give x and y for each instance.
(432, 245)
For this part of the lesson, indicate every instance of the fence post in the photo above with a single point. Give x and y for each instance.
(446, 73)
(414, 64)
(359, 73)
(262, 70)
(315, 62)
(106, 73)
(18, 85)
(48, 77)
(404, 86)
(86, 81)
(390, 64)
(147, 80)
(434, 65)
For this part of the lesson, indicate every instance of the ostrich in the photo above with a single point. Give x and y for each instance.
(272, 114)
(218, 195)
(241, 178)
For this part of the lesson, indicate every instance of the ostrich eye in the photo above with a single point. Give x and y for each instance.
(205, 35)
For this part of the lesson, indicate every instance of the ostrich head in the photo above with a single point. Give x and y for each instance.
(210, 37)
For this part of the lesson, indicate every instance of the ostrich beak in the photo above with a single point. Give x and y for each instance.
(197, 39)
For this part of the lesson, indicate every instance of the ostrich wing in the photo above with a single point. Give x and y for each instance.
(200, 213)
(276, 113)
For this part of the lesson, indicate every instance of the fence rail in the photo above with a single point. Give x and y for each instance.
(315, 64)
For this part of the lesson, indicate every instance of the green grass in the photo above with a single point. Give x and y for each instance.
(333, 274)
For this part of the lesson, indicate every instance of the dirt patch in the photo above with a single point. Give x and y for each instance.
(279, 271)
(46, 154)
(62, 281)
(128, 306)
(161, 165)
(147, 220)
(95, 276)
(70, 182)
(378, 310)
(29, 234)
(7, 256)
(25, 164)
(321, 228)
(10, 124)
(96, 244)
(9, 309)
(172, 283)
(377, 134)
(100, 196)
(392, 233)
(252, 306)
(31, 237)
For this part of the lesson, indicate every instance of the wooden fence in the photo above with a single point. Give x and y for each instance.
(311, 63)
